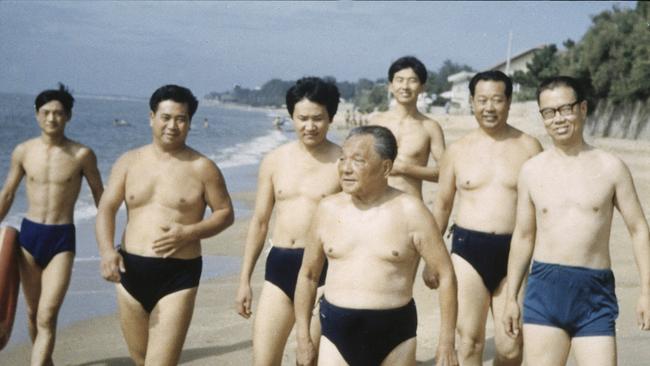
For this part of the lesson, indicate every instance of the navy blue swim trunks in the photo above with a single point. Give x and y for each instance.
(43, 241)
(579, 300)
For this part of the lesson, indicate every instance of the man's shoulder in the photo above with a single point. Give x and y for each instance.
(535, 163)
(607, 160)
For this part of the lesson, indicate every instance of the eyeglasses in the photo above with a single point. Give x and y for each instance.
(565, 110)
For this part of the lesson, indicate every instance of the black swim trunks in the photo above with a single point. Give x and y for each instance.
(282, 267)
(364, 337)
(487, 253)
(149, 279)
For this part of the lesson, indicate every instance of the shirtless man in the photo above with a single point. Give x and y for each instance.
(292, 179)
(417, 135)
(166, 186)
(482, 167)
(373, 237)
(54, 166)
(567, 196)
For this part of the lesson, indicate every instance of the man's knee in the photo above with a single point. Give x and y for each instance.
(470, 345)
(508, 349)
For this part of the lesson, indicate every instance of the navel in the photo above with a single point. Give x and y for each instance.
(131, 197)
(544, 210)
(467, 183)
(395, 253)
(595, 209)
(182, 200)
(329, 250)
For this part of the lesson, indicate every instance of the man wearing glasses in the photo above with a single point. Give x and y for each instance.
(566, 197)
(482, 168)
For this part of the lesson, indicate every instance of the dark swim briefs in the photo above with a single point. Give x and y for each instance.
(282, 267)
(43, 242)
(579, 300)
(149, 279)
(487, 253)
(365, 337)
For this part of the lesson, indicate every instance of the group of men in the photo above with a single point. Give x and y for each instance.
(349, 229)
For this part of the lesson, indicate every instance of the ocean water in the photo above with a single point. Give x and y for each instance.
(236, 139)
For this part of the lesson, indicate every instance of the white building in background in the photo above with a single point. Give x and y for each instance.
(459, 93)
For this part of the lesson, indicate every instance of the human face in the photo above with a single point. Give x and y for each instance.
(490, 104)
(406, 86)
(563, 129)
(361, 169)
(311, 122)
(170, 123)
(52, 118)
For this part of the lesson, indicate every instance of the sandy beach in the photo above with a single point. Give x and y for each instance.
(218, 336)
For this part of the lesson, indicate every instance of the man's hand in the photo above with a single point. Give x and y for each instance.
(173, 237)
(111, 266)
(511, 318)
(430, 278)
(244, 300)
(305, 353)
(643, 312)
(446, 356)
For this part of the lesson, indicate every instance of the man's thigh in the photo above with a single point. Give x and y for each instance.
(168, 325)
(596, 351)
(545, 346)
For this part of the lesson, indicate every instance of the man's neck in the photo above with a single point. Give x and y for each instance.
(570, 148)
(166, 151)
(53, 140)
(405, 110)
(370, 197)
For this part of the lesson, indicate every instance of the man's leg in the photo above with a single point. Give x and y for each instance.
(30, 278)
(134, 321)
(329, 355)
(473, 307)
(545, 346)
(55, 279)
(403, 354)
(168, 325)
(596, 351)
(508, 350)
(272, 325)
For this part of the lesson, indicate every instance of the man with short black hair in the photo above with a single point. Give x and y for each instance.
(54, 167)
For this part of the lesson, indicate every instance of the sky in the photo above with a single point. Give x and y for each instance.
(132, 48)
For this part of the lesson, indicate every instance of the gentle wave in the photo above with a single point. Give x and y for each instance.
(249, 152)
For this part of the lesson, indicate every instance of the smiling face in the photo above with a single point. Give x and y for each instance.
(491, 105)
(406, 86)
(170, 123)
(311, 122)
(563, 129)
(52, 118)
(361, 168)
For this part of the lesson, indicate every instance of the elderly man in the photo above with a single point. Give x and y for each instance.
(566, 199)
(373, 237)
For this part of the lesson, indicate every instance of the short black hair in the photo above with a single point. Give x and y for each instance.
(178, 94)
(62, 95)
(494, 75)
(316, 90)
(405, 63)
(385, 142)
(562, 80)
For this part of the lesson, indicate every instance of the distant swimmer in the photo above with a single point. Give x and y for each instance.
(166, 187)
(566, 199)
(292, 180)
(205, 123)
(54, 167)
(418, 136)
(120, 122)
(278, 122)
(481, 171)
(372, 237)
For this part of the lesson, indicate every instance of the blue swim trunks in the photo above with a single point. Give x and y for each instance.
(43, 242)
(579, 300)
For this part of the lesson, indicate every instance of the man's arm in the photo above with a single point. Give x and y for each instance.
(112, 198)
(93, 177)
(521, 252)
(216, 197)
(437, 147)
(428, 242)
(14, 176)
(305, 294)
(627, 203)
(257, 231)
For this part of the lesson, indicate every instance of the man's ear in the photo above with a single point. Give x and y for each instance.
(387, 166)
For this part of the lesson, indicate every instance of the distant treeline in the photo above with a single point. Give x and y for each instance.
(613, 58)
(366, 94)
